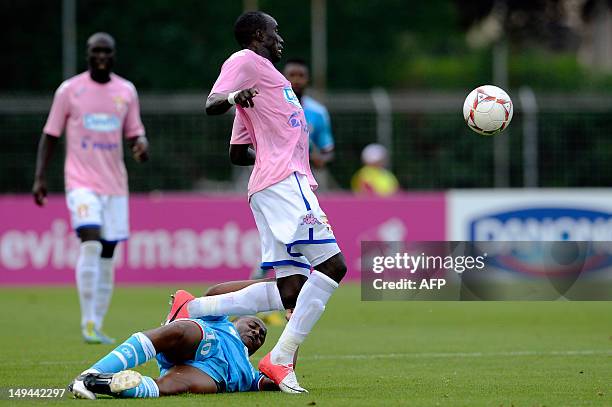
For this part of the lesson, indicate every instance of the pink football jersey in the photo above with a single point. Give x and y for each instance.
(276, 125)
(96, 117)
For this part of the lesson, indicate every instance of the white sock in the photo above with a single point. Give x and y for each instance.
(87, 270)
(258, 297)
(104, 291)
(308, 309)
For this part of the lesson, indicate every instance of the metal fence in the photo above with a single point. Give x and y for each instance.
(431, 146)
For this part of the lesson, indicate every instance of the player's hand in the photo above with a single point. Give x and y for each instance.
(317, 160)
(140, 149)
(39, 190)
(245, 97)
(288, 314)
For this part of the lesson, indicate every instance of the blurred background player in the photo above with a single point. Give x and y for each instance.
(374, 179)
(319, 124)
(294, 231)
(96, 108)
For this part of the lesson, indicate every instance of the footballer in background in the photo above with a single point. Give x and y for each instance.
(96, 110)
(319, 124)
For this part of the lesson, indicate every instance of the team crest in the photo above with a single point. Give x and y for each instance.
(120, 104)
(82, 210)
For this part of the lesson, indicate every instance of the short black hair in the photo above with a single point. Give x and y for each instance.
(297, 61)
(247, 24)
(101, 36)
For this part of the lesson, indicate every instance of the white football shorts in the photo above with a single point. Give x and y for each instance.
(294, 231)
(108, 212)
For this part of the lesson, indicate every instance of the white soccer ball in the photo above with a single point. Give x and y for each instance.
(487, 110)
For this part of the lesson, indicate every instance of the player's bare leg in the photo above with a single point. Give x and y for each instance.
(186, 379)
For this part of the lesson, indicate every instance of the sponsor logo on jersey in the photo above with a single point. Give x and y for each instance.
(294, 120)
(102, 122)
(310, 219)
(87, 143)
(290, 97)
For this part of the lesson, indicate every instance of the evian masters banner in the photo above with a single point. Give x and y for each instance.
(183, 238)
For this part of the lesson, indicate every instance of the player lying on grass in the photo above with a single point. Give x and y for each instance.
(199, 355)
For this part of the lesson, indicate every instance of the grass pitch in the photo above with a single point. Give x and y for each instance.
(360, 353)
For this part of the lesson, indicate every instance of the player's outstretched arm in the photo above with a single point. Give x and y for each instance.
(46, 147)
(242, 154)
(219, 103)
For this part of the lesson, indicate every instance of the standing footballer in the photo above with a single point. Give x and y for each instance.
(295, 235)
(96, 108)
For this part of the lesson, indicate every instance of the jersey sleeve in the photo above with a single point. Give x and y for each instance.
(133, 127)
(240, 133)
(214, 318)
(324, 139)
(60, 109)
(256, 384)
(237, 73)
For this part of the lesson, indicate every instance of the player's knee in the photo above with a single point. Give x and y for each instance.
(170, 386)
(108, 249)
(339, 271)
(335, 268)
(214, 290)
(289, 296)
(89, 233)
(289, 289)
(184, 334)
(174, 337)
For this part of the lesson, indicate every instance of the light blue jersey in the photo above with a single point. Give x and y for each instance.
(319, 124)
(221, 355)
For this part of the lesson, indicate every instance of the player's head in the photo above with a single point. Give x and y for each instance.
(101, 53)
(252, 331)
(296, 72)
(258, 31)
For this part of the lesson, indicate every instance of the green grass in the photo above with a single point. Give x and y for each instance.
(360, 353)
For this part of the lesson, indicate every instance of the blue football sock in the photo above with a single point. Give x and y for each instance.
(146, 388)
(136, 350)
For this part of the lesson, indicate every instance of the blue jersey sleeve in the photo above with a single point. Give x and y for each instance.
(256, 381)
(325, 140)
(319, 124)
(214, 319)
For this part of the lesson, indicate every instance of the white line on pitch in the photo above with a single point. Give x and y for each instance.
(422, 355)
(426, 355)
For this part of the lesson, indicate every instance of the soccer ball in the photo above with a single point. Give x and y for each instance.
(487, 110)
